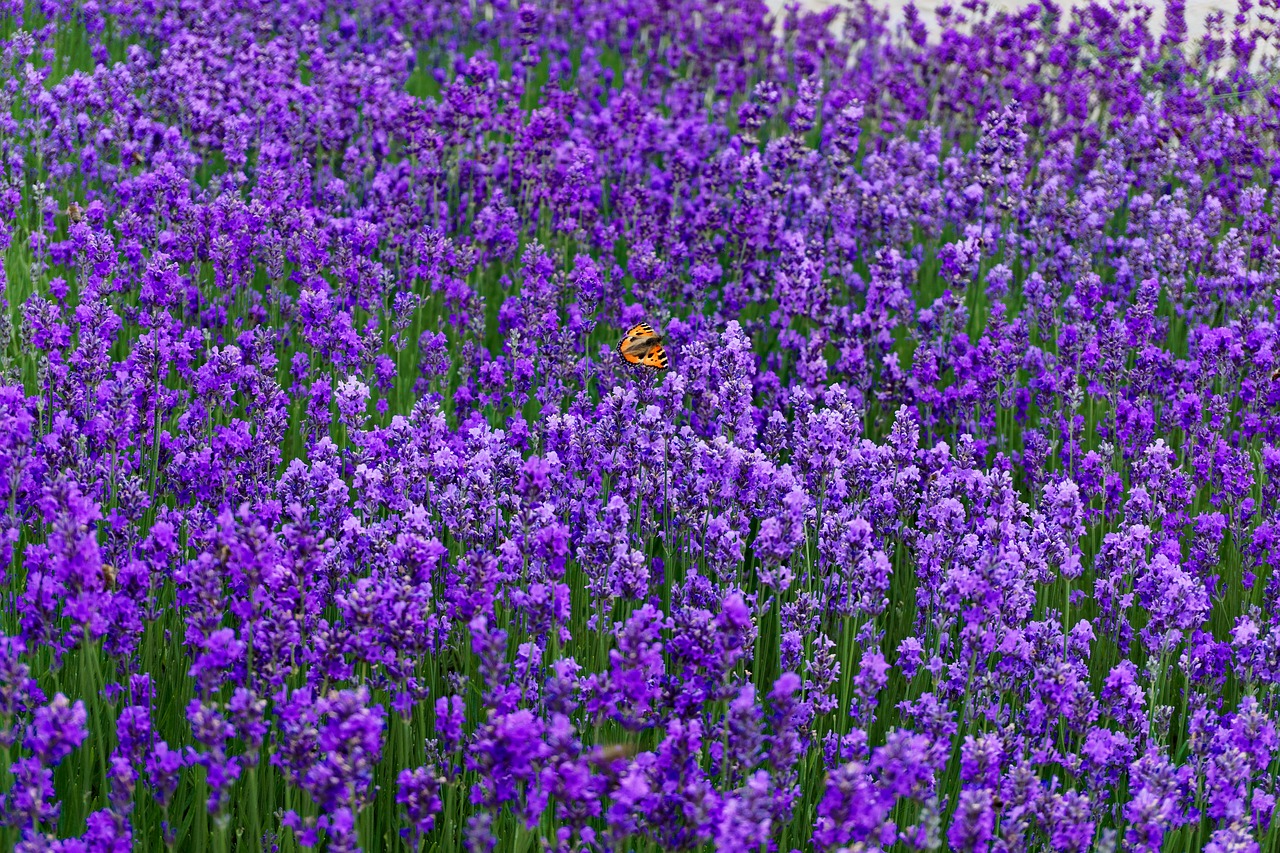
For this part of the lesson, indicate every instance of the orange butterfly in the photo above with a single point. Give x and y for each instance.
(642, 345)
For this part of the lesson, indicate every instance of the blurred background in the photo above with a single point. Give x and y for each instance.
(1196, 12)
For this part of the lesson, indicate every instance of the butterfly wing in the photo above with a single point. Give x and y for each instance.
(656, 357)
(640, 330)
(637, 342)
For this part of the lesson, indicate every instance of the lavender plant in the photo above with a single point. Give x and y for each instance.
(333, 519)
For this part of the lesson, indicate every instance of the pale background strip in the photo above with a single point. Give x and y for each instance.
(1196, 11)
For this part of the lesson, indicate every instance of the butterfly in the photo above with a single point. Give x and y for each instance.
(642, 345)
(608, 753)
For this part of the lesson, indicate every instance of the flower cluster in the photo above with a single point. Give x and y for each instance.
(330, 517)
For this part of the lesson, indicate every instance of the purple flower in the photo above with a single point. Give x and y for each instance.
(1071, 826)
(418, 791)
(973, 824)
(311, 425)
(56, 730)
(164, 767)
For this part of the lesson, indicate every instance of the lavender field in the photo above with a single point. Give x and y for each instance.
(350, 504)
